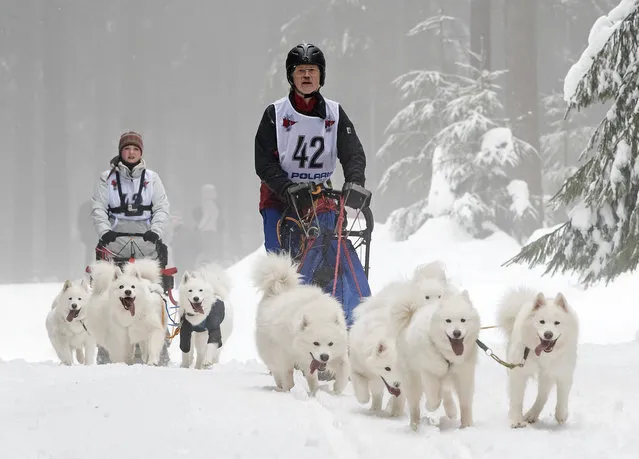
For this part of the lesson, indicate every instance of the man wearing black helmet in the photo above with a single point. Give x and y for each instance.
(301, 137)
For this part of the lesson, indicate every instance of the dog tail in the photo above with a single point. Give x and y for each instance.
(102, 274)
(435, 270)
(406, 299)
(510, 305)
(219, 278)
(275, 274)
(147, 268)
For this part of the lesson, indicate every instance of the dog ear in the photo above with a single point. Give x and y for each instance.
(466, 295)
(540, 300)
(117, 272)
(304, 323)
(381, 347)
(66, 286)
(560, 300)
(136, 271)
(186, 276)
(85, 284)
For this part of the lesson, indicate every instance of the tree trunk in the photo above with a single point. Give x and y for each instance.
(480, 42)
(56, 172)
(522, 97)
(25, 109)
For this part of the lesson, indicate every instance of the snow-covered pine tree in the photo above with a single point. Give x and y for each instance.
(601, 238)
(471, 154)
(427, 92)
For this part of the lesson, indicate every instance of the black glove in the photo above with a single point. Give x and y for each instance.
(108, 237)
(356, 196)
(287, 197)
(150, 236)
(299, 195)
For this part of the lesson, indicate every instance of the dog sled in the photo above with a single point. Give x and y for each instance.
(328, 232)
(134, 248)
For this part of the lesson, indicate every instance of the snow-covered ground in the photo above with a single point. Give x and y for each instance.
(232, 411)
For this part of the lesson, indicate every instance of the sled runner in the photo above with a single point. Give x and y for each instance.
(316, 232)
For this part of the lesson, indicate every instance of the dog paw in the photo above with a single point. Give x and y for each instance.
(518, 424)
(466, 423)
(208, 363)
(393, 409)
(450, 409)
(375, 408)
(414, 426)
(561, 417)
(531, 418)
(376, 405)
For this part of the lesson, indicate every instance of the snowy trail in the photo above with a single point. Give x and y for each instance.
(233, 411)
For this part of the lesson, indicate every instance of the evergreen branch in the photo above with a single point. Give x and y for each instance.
(601, 81)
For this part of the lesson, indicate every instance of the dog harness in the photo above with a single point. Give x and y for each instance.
(211, 324)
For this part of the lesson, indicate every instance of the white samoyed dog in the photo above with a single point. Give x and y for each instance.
(437, 327)
(66, 324)
(204, 313)
(127, 308)
(373, 352)
(298, 326)
(543, 335)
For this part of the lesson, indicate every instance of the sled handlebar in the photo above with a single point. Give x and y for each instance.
(117, 234)
(356, 197)
(160, 247)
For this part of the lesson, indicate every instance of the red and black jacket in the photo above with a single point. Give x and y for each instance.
(267, 165)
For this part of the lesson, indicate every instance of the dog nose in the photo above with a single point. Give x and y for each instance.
(456, 333)
(548, 335)
(74, 306)
(324, 357)
(127, 292)
(196, 299)
(396, 384)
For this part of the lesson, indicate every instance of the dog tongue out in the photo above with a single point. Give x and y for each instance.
(317, 365)
(73, 313)
(197, 307)
(544, 345)
(392, 389)
(457, 345)
(129, 304)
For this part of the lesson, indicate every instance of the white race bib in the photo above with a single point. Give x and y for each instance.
(307, 145)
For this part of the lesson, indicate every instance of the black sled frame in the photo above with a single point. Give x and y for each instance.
(304, 198)
(132, 250)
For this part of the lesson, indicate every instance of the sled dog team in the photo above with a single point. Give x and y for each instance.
(414, 337)
(125, 307)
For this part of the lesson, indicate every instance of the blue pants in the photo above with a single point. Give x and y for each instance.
(271, 217)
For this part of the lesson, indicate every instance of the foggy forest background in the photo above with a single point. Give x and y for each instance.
(195, 76)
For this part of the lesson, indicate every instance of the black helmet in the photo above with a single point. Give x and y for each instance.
(305, 53)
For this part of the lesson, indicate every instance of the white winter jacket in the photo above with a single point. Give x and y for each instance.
(157, 220)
